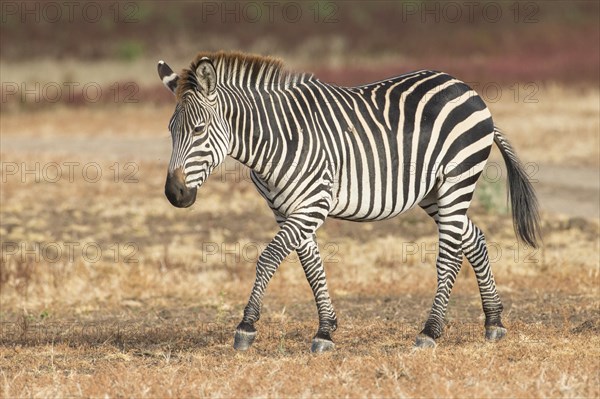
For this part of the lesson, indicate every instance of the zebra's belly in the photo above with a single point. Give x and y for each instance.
(344, 215)
(372, 204)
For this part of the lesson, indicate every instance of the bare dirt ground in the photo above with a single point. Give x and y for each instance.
(108, 290)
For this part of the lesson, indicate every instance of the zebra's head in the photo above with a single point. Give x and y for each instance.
(199, 133)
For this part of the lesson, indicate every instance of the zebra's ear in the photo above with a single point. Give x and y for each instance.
(168, 77)
(206, 76)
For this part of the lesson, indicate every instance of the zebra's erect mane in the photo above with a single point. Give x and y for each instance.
(241, 69)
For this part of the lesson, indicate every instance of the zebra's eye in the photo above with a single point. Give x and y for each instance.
(200, 128)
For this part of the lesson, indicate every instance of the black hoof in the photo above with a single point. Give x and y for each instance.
(424, 341)
(320, 345)
(494, 333)
(243, 339)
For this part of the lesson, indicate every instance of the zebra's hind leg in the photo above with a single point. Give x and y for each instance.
(308, 252)
(475, 249)
(448, 206)
(448, 265)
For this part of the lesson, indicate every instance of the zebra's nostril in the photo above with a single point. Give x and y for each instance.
(177, 192)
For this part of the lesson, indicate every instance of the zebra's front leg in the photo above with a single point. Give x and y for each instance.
(292, 232)
(309, 256)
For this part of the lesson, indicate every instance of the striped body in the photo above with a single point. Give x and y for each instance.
(363, 154)
(382, 146)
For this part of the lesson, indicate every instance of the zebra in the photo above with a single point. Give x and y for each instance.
(363, 153)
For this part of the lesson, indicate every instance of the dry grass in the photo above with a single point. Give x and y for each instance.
(162, 326)
(517, 367)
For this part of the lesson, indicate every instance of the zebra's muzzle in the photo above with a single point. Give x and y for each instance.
(177, 192)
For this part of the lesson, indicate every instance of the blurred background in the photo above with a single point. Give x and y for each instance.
(88, 237)
(348, 42)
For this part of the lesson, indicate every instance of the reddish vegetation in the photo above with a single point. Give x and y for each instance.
(555, 41)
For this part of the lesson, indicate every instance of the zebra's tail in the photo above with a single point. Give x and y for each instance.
(525, 214)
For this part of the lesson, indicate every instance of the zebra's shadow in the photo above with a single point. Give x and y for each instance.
(145, 336)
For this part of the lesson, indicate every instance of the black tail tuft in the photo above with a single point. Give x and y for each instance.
(526, 218)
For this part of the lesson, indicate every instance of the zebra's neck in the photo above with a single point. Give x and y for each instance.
(249, 89)
(255, 130)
